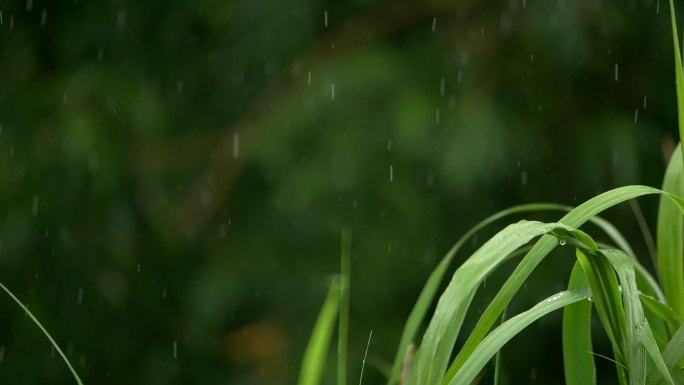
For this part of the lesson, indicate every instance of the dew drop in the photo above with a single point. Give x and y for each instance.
(562, 242)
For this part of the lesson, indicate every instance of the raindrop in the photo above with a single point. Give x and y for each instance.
(43, 17)
(79, 297)
(562, 242)
(29, 5)
(332, 91)
(325, 18)
(531, 57)
(11, 22)
(0, 17)
(437, 116)
(389, 145)
(138, 267)
(636, 115)
(616, 72)
(308, 78)
(434, 24)
(644, 102)
(2, 353)
(442, 86)
(175, 349)
(222, 231)
(65, 97)
(34, 206)
(657, 7)
(391, 173)
(164, 293)
(460, 76)
(236, 145)
(590, 299)
(524, 3)
(524, 178)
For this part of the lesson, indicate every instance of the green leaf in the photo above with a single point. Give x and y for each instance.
(509, 329)
(574, 218)
(441, 333)
(679, 73)
(319, 343)
(429, 290)
(669, 237)
(606, 295)
(343, 332)
(578, 362)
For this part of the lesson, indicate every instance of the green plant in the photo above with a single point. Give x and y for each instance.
(640, 315)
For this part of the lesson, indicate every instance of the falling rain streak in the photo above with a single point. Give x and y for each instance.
(616, 72)
(175, 349)
(636, 115)
(332, 91)
(442, 86)
(79, 297)
(391, 173)
(325, 18)
(434, 24)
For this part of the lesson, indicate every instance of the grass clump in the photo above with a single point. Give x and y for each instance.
(640, 315)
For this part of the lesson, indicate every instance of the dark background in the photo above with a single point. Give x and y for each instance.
(178, 173)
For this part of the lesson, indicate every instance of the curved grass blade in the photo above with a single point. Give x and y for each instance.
(635, 320)
(578, 363)
(673, 353)
(606, 295)
(679, 72)
(45, 332)
(669, 237)
(319, 343)
(452, 306)
(574, 218)
(509, 329)
(343, 331)
(426, 296)
(662, 310)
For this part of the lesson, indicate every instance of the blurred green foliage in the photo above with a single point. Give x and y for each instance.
(178, 173)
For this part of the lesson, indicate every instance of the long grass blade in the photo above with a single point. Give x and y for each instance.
(606, 295)
(316, 353)
(343, 327)
(429, 291)
(509, 329)
(578, 363)
(574, 218)
(679, 72)
(673, 353)
(670, 230)
(45, 332)
(452, 306)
